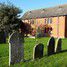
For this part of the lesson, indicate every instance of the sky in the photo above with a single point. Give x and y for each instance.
(27, 5)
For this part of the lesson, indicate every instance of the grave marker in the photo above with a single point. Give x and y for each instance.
(58, 45)
(38, 51)
(16, 48)
(51, 46)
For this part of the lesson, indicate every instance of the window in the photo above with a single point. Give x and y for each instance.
(49, 21)
(45, 21)
(32, 21)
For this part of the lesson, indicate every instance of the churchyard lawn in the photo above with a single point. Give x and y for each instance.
(56, 60)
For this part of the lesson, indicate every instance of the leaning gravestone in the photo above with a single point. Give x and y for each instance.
(38, 51)
(16, 48)
(58, 45)
(51, 46)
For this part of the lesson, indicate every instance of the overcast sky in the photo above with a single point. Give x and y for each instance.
(27, 5)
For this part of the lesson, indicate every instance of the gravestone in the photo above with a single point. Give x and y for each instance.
(51, 46)
(2, 37)
(58, 45)
(16, 48)
(38, 51)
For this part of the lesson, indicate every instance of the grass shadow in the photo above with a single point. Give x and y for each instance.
(62, 51)
(27, 60)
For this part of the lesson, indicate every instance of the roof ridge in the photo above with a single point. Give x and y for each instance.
(47, 12)
(48, 7)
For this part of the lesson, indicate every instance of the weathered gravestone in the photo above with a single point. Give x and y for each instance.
(38, 51)
(16, 48)
(51, 46)
(58, 45)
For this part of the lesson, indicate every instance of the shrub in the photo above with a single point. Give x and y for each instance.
(43, 30)
(26, 28)
(33, 33)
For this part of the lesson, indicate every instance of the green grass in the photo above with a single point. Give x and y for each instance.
(56, 60)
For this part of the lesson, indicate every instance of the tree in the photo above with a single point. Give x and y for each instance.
(9, 18)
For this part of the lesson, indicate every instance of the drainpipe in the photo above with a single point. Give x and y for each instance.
(58, 27)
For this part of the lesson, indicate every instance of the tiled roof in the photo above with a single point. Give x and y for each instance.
(47, 12)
